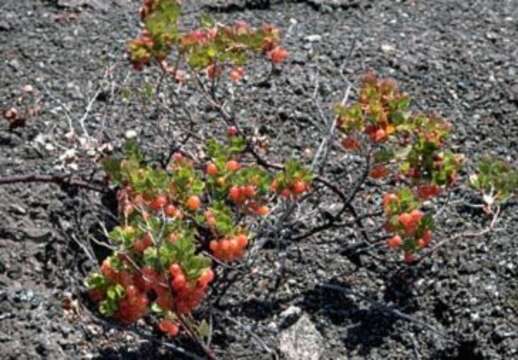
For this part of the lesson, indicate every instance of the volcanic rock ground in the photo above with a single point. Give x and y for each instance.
(456, 57)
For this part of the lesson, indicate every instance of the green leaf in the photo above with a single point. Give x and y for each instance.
(115, 292)
(237, 145)
(206, 21)
(95, 281)
(204, 329)
(112, 167)
(383, 155)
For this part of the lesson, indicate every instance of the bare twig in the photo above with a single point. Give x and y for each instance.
(462, 235)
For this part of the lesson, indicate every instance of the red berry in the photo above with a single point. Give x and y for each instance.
(407, 221)
(168, 327)
(177, 157)
(416, 215)
(158, 202)
(232, 131)
(286, 193)
(299, 187)
(170, 210)
(224, 245)
(379, 135)
(233, 165)
(179, 282)
(350, 143)
(409, 257)
(249, 191)
(96, 295)
(212, 169)
(206, 278)
(234, 247)
(242, 240)
(278, 55)
(214, 246)
(378, 172)
(237, 74)
(235, 194)
(175, 270)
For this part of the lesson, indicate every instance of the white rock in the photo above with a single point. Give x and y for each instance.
(301, 341)
(130, 134)
(387, 48)
(313, 38)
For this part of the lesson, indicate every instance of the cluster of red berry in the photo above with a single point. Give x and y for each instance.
(412, 227)
(229, 249)
(188, 295)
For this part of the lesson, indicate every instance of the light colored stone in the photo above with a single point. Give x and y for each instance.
(301, 341)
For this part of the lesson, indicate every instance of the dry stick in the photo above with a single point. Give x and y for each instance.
(463, 235)
(327, 140)
(87, 112)
(387, 309)
(62, 180)
(249, 148)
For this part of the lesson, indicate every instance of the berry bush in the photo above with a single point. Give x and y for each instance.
(178, 222)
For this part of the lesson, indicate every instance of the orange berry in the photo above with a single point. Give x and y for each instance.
(193, 203)
(274, 186)
(277, 55)
(242, 241)
(394, 242)
(262, 210)
(212, 169)
(173, 237)
(234, 246)
(299, 187)
(209, 217)
(168, 327)
(233, 165)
